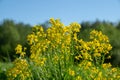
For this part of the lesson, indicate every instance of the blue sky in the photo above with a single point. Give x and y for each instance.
(38, 11)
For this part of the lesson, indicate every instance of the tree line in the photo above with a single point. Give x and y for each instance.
(12, 33)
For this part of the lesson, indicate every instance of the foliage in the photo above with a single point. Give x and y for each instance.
(10, 35)
(58, 54)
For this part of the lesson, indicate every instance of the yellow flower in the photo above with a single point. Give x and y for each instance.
(96, 54)
(71, 72)
(118, 76)
(75, 27)
(89, 64)
(114, 69)
(106, 65)
(56, 58)
(100, 74)
(78, 57)
(78, 78)
(18, 49)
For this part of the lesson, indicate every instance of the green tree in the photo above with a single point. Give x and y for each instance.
(8, 39)
(11, 34)
(118, 25)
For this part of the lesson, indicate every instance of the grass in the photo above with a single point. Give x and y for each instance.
(3, 68)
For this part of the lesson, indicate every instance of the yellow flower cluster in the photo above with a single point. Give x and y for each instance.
(93, 72)
(56, 36)
(20, 50)
(20, 70)
(95, 49)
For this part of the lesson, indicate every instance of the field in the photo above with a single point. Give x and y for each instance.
(58, 54)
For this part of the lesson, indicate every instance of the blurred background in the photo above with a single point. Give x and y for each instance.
(17, 17)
